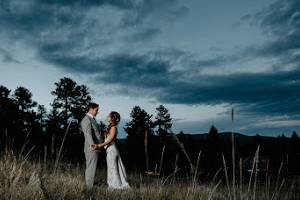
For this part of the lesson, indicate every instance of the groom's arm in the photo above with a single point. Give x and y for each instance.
(109, 139)
(87, 130)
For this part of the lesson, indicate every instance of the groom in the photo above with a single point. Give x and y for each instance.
(92, 135)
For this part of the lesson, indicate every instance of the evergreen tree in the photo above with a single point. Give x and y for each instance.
(54, 119)
(140, 122)
(26, 115)
(213, 132)
(213, 151)
(64, 93)
(54, 130)
(282, 136)
(138, 130)
(163, 121)
(80, 102)
(8, 116)
(23, 98)
(4, 92)
(42, 117)
(70, 100)
(294, 135)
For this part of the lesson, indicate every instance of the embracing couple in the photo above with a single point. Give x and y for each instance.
(95, 142)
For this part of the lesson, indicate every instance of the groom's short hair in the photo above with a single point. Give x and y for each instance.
(92, 105)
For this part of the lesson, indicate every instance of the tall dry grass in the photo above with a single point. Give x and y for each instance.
(23, 178)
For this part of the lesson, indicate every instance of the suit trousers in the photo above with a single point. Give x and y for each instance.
(91, 166)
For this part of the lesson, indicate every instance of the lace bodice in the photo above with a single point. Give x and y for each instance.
(111, 143)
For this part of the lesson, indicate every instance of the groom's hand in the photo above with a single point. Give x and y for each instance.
(93, 147)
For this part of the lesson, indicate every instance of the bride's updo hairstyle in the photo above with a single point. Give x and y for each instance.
(115, 118)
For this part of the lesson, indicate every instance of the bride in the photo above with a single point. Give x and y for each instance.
(116, 174)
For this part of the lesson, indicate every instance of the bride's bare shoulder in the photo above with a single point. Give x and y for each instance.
(114, 128)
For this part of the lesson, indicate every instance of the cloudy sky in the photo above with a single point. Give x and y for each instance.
(199, 58)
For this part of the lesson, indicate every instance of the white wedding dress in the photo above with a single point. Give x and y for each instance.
(116, 174)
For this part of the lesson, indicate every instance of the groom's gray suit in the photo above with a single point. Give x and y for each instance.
(92, 135)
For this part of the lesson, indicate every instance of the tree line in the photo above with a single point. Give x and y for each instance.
(25, 122)
(150, 145)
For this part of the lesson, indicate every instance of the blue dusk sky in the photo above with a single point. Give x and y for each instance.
(199, 58)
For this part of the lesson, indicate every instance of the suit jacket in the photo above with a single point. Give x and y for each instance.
(92, 133)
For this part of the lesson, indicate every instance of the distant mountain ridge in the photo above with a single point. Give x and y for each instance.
(223, 135)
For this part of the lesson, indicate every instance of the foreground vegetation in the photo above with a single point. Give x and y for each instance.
(22, 178)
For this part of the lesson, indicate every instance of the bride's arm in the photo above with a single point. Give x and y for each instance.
(111, 135)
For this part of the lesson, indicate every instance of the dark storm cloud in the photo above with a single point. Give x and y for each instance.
(149, 9)
(28, 20)
(275, 92)
(143, 35)
(139, 9)
(280, 18)
(281, 23)
(123, 4)
(59, 31)
(266, 93)
(142, 6)
(271, 93)
(31, 18)
(136, 71)
(7, 56)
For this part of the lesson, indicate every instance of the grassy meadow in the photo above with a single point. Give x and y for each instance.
(22, 177)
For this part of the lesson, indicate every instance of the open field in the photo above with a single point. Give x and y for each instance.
(22, 178)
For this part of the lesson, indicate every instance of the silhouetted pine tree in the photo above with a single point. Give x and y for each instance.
(23, 98)
(26, 115)
(213, 154)
(4, 92)
(42, 117)
(8, 116)
(54, 131)
(70, 103)
(140, 122)
(80, 102)
(294, 135)
(70, 100)
(136, 129)
(163, 121)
